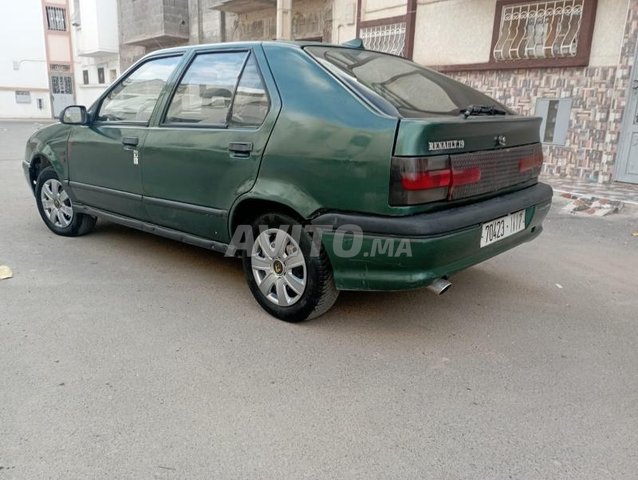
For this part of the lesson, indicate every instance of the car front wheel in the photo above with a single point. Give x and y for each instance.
(289, 277)
(56, 208)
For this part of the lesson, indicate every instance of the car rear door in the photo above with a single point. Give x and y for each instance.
(104, 160)
(206, 145)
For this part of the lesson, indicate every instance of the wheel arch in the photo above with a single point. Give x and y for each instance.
(272, 195)
(248, 209)
(38, 163)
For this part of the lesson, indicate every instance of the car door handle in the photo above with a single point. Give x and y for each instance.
(240, 149)
(130, 141)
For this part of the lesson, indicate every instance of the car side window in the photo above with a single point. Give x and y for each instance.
(205, 93)
(251, 104)
(134, 98)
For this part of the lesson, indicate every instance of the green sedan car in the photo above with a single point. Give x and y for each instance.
(324, 167)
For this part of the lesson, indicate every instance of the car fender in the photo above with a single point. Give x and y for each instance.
(50, 143)
(286, 194)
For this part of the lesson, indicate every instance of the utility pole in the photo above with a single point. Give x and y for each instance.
(200, 26)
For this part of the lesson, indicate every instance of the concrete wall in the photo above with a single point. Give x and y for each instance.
(376, 9)
(205, 22)
(23, 60)
(453, 32)
(148, 25)
(344, 20)
(310, 19)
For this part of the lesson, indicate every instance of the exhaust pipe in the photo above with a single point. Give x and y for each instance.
(439, 286)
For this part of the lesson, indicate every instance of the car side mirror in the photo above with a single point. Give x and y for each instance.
(74, 115)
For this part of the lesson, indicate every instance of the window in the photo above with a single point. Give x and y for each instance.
(100, 75)
(543, 33)
(56, 19)
(134, 98)
(413, 90)
(555, 124)
(112, 75)
(205, 93)
(85, 77)
(250, 105)
(23, 96)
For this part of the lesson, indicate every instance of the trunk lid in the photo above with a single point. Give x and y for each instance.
(453, 135)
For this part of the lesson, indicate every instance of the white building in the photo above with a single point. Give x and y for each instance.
(35, 59)
(95, 47)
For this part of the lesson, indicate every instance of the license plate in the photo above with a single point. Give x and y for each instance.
(502, 228)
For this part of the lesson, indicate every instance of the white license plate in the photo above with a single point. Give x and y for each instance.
(502, 228)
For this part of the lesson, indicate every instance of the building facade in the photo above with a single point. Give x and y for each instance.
(570, 62)
(94, 28)
(147, 25)
(36, 72)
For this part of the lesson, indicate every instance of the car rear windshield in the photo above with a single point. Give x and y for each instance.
(413, 90)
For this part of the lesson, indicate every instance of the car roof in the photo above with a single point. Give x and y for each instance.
(245, 44)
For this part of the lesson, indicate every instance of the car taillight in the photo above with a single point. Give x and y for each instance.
(531, 163)
(427, 179)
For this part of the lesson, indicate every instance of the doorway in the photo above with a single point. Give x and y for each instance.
(61, 93)
(627, 160)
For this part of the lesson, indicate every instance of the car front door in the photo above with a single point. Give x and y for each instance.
(104, 156)
(205, 147)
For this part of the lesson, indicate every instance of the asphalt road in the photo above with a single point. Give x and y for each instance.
(129, 356)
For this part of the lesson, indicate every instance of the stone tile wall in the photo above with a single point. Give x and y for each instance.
(598, 95)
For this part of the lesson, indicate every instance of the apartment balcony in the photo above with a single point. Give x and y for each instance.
(95, 26)
(98, 53)
(242, 6)
(153, 23)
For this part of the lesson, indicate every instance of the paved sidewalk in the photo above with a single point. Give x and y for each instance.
(618, 194)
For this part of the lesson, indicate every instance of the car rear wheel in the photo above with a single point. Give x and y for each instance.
(289, 278)
(56, 208)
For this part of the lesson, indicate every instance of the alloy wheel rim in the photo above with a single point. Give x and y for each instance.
(279, 267)
(56, 203)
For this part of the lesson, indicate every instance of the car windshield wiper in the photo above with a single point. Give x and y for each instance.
(482, 110)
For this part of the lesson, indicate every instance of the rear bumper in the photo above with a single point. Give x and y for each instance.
(398, 253)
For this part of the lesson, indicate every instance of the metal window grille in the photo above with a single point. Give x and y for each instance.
(539, 30)
(56, 19)
(384, 38)
(61, 84)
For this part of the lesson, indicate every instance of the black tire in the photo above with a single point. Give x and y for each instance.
(320, 292)
(79, 224)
